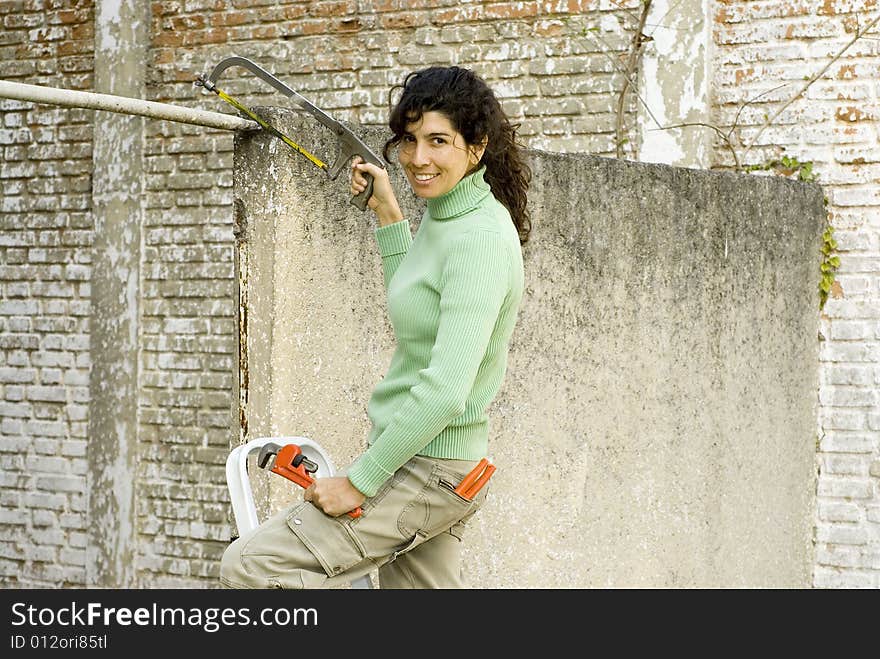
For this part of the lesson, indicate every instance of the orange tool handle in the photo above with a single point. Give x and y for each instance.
(284, 467)
(480, 482)
(472, 476)
(475, 480)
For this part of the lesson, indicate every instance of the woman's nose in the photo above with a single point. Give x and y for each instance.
(420, 154)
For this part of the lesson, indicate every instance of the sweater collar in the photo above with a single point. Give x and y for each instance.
(466, 195)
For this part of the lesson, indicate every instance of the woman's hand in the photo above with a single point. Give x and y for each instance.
(382, 201)
(335, 495)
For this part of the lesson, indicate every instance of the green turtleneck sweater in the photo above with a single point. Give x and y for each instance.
(453, 296)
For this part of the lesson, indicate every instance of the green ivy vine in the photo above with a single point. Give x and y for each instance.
(789, 166)
(830, 263)
(786, 166)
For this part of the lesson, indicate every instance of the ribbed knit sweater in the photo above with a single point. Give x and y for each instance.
(453, 298)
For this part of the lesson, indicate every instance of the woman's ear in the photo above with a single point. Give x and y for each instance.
(477, 151)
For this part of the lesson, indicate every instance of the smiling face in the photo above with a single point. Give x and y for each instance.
(435, 156)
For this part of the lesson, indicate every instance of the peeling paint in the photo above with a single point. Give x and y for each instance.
(108, 19)
(674, 85)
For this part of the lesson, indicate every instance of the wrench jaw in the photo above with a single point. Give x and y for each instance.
(268, 452)
(271, 452)
(288, 461)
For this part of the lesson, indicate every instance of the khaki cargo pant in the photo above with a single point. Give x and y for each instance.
(410, 530)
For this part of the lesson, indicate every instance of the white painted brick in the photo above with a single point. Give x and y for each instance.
(844, 465)
(51, 358)
(46, 428)
(843, 396)
(49, 376)
(838, 374)
(854, 285)
(854, 308)
(839, 556)
(46, 464)
(825, 577)
(830, 174)
(842, 534)
(14, 517)
(60, 483)
(835, 419)
(859, 154)
(79, 540)
(842, 487)
(17, 375)
(20, 357)
(10, 427)
(852, 240)
(871, 559)
(836, 511)
(847, 352)
(857, 195)
(53, 394)
(74, 448)
(48, 536)
(37, 444)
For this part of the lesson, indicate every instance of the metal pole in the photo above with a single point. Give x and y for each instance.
(123, 105)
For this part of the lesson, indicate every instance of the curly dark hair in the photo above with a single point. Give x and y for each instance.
(471, 106)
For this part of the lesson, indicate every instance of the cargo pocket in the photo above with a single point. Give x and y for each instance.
(328, 539)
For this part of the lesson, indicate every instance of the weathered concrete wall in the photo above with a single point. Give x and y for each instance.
(657, 426)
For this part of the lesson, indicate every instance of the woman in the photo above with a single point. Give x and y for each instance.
(453, 296)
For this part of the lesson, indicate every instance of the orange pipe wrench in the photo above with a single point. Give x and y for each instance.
(475, 480)
(293, 465)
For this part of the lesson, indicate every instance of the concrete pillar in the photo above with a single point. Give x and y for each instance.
(674, 83)
(121, 39)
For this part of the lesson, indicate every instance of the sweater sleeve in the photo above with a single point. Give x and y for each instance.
(474, 284)
(394, 241)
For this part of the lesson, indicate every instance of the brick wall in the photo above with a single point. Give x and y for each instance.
(556, 76)
(45, 238)
(761, 45)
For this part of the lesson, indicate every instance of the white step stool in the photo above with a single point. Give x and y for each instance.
(239, 483)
